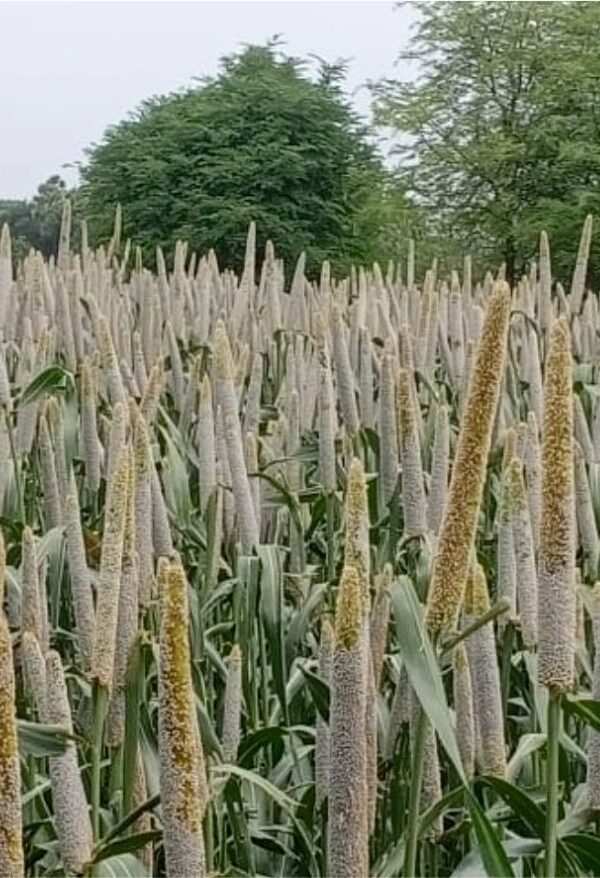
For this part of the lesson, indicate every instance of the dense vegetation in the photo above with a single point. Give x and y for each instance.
(35, 222)
(260, 142)
(499, 134)
(298, 580)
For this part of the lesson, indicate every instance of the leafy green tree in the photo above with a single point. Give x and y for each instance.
(36, 223)
(262, 142)
(17, 213)
(500, 134)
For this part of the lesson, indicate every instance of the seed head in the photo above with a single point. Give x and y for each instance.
(526, 575)
(109, 581)
(413, 491)
(322, 733)
(81, 587)
(348, 823)
(483, 663)
(11, 849)
(69, 802)
(356, 519)
(556, 597)
(180, 753)
(463, 709)
(233, 705)
(459, 522)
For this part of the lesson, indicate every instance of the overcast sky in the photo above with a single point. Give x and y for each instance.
(69, 69)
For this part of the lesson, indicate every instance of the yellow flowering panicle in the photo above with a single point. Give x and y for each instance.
(556, 565)
(128, 618)
(356, 520)
(459, 523)
(142, 506)
(109, 581)
(526, 575)
(11, 849)
(183, 792)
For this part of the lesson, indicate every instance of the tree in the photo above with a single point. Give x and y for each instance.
(259, 142)
(36, 223)
(500, 134)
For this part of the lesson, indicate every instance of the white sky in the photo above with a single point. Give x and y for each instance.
(69, 69)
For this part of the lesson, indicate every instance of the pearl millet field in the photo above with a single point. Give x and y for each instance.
(298, 573)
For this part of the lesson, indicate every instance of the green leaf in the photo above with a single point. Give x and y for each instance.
(271, 610)
(587, 850)
(587, 709)
(280, 798)
(527, 745)
(492, 853)
(453, 799)
(319, 691)
(287, 497)
(421, 665)
(271, 737)
(50, 380)
(127, 845)
(525, 809)
(301, 619)
(38, 739)
(123, 866)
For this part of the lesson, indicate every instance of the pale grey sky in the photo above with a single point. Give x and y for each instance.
(69, 69)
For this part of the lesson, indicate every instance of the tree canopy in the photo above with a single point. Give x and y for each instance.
(499, 135)
(262, 142)
(36, 222)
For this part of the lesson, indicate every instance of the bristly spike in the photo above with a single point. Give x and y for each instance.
(459, 522)
(180, 751)
(556, 573)
(11, 846)
(348, 823)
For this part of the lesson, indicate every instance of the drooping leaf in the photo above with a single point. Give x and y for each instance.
(421, 665)
(319, 691)
(54, 379)
(127, 845)
(39, 739)
(271, 609)
(587, 709)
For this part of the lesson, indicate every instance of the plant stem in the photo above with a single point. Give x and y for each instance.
(16, 465)
(99, 700)
(412, 825)
(330, 506)
(497, 609)
(209, 841)
(553, 733)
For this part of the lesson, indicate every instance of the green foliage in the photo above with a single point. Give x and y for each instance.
(499, 135)
(259, 142)
(36, 223)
